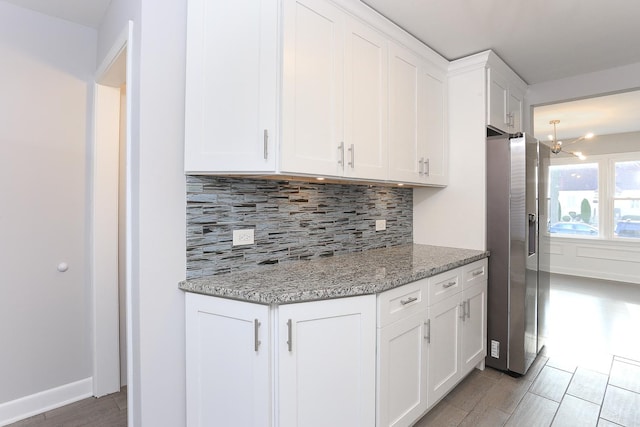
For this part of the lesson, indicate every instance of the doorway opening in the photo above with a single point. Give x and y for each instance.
(594, 201)
(110, 220)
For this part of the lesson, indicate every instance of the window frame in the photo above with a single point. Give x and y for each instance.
(606, 192)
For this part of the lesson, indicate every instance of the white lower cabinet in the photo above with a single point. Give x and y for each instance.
(356, 361)
(458, 331)
(228, 362)
(305, 364)
(474, 327)
(444, 347)
(402, 371)
(431, 334)
(326, 363)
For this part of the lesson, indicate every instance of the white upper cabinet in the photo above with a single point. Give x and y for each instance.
(418, 146)
(497, 97)
(334, 94)
(312, 88)
(231, 86)
(404, 137)
(366, 102)
(312, 99)
(434, 118)
(505, 97)
(515, 106)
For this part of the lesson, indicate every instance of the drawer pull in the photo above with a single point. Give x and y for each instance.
(408, 300)
(450, 284)
(477, 273)
(427, 327)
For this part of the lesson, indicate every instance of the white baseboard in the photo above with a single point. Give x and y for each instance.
(43, 401)
(603, 275)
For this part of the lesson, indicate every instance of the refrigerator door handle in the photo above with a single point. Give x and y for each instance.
(533, 231)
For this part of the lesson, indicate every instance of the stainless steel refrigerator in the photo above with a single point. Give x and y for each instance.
(518, 289)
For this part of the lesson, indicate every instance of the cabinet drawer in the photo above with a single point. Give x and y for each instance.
(475, 272)
(444, 285)
(402, 301)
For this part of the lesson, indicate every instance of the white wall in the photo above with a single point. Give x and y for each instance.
(158, 204)
(44, 125)
(613, 80)
(602, 259)
(456, 215)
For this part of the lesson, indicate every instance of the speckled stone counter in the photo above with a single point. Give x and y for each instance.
(354, 274)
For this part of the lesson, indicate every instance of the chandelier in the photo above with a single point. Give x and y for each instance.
(556, 146)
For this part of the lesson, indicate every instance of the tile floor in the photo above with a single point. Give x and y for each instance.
(587, 375)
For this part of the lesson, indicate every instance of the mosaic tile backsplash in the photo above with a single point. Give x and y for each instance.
(292, 221)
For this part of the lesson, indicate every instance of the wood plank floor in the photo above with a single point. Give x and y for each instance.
(588, 375)
(107, 411)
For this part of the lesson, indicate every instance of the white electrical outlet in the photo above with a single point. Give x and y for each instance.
(381, 224)
(243, 237)
(495, 349)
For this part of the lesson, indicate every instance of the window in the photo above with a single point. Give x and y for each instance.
(573, 207)
(626, 199)
(599, 198)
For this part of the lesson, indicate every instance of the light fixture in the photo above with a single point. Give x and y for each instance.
(556, 146)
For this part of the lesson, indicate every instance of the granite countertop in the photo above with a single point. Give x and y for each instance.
(339, 276)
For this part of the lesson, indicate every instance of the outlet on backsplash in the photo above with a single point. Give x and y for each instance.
(381, 224)
(243, 237)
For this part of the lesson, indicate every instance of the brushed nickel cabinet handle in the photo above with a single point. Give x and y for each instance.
(256, 341)
(266, 144)
(290, 335)
(448, 285)
(352, 150)
(477, 273)
(408, 300)
(341, 154)
(427, 336)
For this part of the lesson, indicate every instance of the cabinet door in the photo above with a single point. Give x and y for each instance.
(404, 141)
(474, 327)
(365, 108)
(516, 101)
(227, 351)
(231, 86)
(313, 70)
(434, 145)
(444, 346)
(326, 363)
(402, 371)
(497, 101)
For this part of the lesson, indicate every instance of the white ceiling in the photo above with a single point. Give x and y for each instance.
(85, 12)
(541, 40)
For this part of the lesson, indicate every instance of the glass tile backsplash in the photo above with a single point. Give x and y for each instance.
(292, 220)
